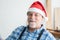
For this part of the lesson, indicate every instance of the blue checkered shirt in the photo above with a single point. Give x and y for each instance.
(27, 35)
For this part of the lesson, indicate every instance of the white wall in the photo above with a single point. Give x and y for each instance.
(54, 4)
(13, 14)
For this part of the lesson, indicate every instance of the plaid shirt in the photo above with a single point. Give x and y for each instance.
(30, 35)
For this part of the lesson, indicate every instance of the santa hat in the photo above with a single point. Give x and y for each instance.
(39, 8)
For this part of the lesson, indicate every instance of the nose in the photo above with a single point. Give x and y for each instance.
(33, 16)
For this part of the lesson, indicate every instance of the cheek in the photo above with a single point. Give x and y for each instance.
(28, 19)
(39, 19)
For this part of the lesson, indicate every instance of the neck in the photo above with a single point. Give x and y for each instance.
(32, 29)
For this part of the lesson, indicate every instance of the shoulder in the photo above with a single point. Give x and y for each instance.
(15, 34)
(48, 35)
(19, 28)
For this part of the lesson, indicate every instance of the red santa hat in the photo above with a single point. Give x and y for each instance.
(39, 8)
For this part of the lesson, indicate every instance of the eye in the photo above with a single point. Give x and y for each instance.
(36, 15)
(29, 14)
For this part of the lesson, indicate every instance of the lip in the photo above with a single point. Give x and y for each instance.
(32, 21)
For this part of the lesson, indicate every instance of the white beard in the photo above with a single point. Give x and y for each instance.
(32, 24)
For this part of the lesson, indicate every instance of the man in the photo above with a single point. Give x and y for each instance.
(35, 30)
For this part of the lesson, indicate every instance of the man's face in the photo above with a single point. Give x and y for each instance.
(34, 19)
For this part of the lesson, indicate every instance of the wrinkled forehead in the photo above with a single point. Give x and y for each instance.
(32, 13)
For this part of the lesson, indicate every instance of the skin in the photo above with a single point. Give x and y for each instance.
(37, 19)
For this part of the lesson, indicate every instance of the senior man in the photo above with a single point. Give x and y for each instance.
(35, 30)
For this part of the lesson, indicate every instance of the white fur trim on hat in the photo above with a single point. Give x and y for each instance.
(38, 11)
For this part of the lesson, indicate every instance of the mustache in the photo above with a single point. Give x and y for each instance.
(31, 20)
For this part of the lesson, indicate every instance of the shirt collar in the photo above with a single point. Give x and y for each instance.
(37, 31)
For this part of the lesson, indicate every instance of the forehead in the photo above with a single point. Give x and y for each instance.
(33, 13)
